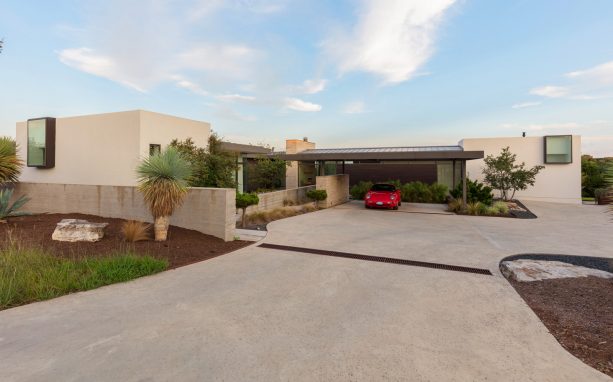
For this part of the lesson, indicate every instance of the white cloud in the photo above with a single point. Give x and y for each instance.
(236, 98)
(189, 85)
(602, 74)
(311, 86)
(524, 105)
(86, 60)
(231, 60)
(356, 107)
(392, 39)
(300, 105)
(550, 91)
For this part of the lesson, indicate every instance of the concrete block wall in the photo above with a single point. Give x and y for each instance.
(337, 188)
(276, 199)
(207, 210)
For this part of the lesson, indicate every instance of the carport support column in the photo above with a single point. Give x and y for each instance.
(464, 183)
(321, 169)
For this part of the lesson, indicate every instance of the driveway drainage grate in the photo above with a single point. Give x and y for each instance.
(380, 259)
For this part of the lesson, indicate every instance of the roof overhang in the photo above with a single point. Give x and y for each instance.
(388, 156)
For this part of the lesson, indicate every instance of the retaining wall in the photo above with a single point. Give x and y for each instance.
(337, 188)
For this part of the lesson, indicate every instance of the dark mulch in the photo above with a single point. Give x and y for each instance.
(184, 246)
(579, 313)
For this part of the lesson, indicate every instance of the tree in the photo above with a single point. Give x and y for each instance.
(1, 45)
(592, 174)
(212, 167)
(162, 179)
(245, 200)
(502, 174)
(268, 173)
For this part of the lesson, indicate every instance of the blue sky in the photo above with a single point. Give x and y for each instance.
(343, 73)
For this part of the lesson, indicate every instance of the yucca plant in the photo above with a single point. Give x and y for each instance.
(8, 210)
(162, 179)
(10, 164)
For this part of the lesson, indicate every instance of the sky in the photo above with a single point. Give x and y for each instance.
(345, 73)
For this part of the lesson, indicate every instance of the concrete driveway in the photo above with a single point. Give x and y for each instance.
(263, 314)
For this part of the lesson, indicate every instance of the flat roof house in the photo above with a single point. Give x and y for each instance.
(99, 149)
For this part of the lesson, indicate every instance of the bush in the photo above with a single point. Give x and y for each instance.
(475, 192)
(358, 191)
(245, 200)
(474, 208)
(483, 209)
(317, 195)
(501, 208)
(438, 193)
(416, 192)
(455, 205)
(134, 231)
(7, 209)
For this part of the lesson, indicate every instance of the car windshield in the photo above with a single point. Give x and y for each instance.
(383, 187)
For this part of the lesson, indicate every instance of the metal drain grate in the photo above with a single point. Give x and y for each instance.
(380, 259)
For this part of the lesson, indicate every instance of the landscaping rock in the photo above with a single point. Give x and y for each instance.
(78, 230)
(534, 270)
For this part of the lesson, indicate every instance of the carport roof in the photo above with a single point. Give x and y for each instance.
(385, 153)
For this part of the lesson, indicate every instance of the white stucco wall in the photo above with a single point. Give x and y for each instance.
(559, 183)
(104, 149)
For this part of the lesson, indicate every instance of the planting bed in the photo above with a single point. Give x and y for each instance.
(578, 312)
(183, 246)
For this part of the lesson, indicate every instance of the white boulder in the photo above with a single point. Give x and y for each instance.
(534, 270)
(78, 230)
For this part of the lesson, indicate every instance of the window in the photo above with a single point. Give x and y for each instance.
(559, 149)
(41, 143)
(154, 149)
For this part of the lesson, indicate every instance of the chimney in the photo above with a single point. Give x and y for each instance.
(305, 139)
(523, 134)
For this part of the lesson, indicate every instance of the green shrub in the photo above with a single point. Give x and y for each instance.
(28, 275)
(483, 209)
(358, 191)
(416, 192)
(396, 183)
(317, 195)
(475, 192)
(501, 208)
(438, 193)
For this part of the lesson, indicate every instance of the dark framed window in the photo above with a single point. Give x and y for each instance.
(154, 149)
(41, 143)
(558, 149)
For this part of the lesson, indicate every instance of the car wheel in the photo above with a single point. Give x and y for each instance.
(399, 203)
(395, 207)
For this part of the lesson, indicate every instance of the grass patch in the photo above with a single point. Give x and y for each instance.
(30, 274)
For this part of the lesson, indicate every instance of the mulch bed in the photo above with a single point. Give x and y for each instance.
(579, 313)
(184, 246)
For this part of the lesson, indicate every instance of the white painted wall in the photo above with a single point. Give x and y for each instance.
(104, 149)
(559, 183)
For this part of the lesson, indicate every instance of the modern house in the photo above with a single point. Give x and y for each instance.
(99, 149)
(559, 181)
(245, 155)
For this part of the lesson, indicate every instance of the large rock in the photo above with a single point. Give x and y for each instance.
(78, 230)
(534, 270)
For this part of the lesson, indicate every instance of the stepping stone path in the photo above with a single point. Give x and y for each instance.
(74, 230)
(535, 270)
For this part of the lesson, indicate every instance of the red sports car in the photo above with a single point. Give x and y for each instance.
(383, 195)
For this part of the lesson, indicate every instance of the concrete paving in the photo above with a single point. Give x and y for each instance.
(262, 314)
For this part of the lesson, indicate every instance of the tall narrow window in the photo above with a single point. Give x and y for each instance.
(154, 149)
(41, 143)
(558, 149)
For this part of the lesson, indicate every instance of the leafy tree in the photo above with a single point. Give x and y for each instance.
(268, 173)
(592, 174)
(212, 167)
(163, 181)
(504, 175)
(245, 200)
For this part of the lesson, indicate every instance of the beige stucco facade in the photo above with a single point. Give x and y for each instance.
(560, 183)
(104, 149)
(294, 146)
(337, 188)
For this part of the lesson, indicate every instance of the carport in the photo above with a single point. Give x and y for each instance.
(447, 163)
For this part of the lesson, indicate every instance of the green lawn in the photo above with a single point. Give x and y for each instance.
(29, 275)
(588, 199)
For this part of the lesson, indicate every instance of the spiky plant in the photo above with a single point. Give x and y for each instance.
(8, 210)
(162, 179)
(10, 164)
